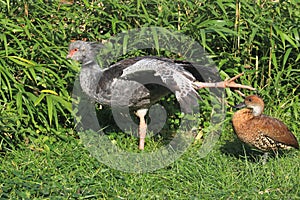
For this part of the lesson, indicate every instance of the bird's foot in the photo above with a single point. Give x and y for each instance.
(223, 84)
(231, 84)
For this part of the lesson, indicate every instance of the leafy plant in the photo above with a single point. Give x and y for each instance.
(258, 37)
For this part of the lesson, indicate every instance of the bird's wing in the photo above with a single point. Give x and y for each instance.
(166, 74)
(277, 131)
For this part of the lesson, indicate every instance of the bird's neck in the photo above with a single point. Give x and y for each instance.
(91, 64)
(90, 74)
(257, 110)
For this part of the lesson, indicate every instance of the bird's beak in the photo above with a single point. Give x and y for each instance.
(71, 53)
(68, 56)
(241, 105)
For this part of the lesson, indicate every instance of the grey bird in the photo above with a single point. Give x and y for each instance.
(140, 82)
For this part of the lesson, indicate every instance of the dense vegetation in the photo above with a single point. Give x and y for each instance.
(260, 38)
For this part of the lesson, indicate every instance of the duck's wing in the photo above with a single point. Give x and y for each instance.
(277, 131)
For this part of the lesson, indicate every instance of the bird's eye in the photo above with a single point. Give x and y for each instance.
(76, 49)
(250, 99)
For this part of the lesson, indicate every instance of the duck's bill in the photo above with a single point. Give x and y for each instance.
(241, 105)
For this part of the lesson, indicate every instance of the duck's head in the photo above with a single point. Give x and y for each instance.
(253, 102)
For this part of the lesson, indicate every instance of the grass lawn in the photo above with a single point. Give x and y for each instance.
(67, 171)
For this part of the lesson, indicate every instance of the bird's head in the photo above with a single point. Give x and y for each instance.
(253, 102)
(83, 51)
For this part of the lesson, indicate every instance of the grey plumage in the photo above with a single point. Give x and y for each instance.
(150, 77)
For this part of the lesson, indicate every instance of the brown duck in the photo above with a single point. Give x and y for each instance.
(261, 131)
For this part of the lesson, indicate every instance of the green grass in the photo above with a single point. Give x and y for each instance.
(67, 171)
(40, 152)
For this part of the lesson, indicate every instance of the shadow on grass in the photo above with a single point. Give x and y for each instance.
(244, 152)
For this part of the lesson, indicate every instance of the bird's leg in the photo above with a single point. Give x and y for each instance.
(141, 113)
(265, 158)
(223, 84)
